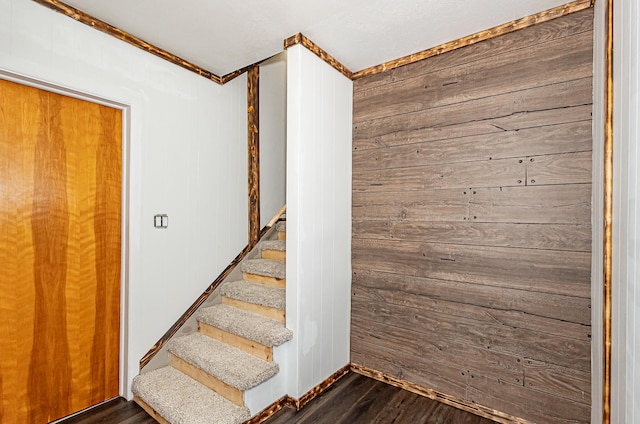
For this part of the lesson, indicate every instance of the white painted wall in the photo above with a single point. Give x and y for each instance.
(625, 389)
(187, 155)
(273, 136)
(319, 105)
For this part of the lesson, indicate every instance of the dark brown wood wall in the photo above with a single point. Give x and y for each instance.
(471, 222)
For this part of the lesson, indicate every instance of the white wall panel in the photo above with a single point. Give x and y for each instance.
(273, 134)
(625, 389)
(319, 104)
(187, 150)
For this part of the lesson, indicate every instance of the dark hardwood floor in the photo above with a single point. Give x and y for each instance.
(116, 411)
(354, 399)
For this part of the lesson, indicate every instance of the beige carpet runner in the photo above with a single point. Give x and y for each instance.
(232, 351)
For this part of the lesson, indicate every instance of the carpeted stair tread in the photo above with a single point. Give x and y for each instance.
(251, 326)
(274, 245)
(281, 226)
(182, 400)
(258, 294)
(230, 365)
(267, 267)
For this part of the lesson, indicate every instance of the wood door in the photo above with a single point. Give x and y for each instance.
(60, 201)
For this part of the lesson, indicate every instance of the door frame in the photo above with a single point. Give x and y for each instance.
(124, 209)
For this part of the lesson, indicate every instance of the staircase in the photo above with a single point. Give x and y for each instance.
(232, 351)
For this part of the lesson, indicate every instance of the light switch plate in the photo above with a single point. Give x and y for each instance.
(161, 221)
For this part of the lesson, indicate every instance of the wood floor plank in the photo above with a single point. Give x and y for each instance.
(116, 411)
(356, 399)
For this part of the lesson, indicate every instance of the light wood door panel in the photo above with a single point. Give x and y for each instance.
(60, 187)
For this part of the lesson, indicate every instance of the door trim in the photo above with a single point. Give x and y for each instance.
(124, 211)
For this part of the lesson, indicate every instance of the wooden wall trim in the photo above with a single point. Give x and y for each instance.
(608, 215)
(313, 393)
(298, 404)
(300, 38)
(271, 410)
(102, 26)
(476, 409)
(512, 26)
(253, 153)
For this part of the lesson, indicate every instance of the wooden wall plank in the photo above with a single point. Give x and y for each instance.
(416, 291)
(451, 379)
(562, 95)
(520, 401)
(570, 168)
(548, 271)
(459, 356)
(501, 30)
(550, 348)
(482, 127)
(558, 28)
(488, 315)
(460, 262)
(488, 173)
(532, 236)
(427, 205)
(544, 140)
(556, 380)
(563, 204)
(543, 64)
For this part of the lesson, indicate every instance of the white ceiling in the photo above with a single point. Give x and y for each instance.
(225, 35)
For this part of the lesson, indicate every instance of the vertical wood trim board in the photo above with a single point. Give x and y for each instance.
(471, 242)
(608, 215)
(253, 149)
(60, 245)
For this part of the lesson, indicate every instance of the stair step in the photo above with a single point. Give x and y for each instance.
(257, 298)
(229, 365)
(274, 245)
(264, 271)
(255, 293)
(266, 267)
(250, 326)
(274, 249)
(181, 400)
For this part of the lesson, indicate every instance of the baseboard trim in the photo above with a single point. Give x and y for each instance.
(476, 409)
(297, 404)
